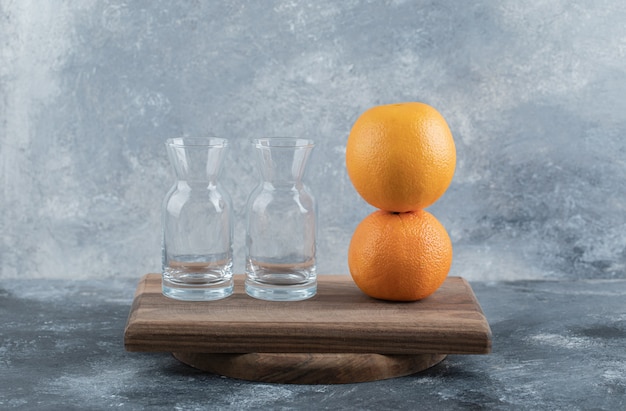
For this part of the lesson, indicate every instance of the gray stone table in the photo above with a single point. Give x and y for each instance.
(556, 345)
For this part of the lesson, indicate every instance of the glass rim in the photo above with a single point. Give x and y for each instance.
(283, 142)
(197, 142)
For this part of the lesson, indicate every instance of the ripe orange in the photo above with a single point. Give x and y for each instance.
(399, 256)
(401, 157)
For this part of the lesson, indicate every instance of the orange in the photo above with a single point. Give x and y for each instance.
(399, 256)
(401, 157)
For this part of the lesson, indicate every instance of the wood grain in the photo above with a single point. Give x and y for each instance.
(310, 368)
(339, 319)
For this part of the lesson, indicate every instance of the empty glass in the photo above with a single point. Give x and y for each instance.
(281, 224)
(197, 223)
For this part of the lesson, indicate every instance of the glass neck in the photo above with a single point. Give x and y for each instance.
(196, 164)
(282, 166)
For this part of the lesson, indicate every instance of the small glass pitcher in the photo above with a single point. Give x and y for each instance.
(197, 223)
(281, 224)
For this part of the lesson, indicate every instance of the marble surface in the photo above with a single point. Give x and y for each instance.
(533, 91)
(556, 345)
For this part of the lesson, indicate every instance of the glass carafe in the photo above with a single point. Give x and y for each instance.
(197, 223)
(281, 224)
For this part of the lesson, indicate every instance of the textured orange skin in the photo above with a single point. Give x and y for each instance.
(400, 256)
(401, 157)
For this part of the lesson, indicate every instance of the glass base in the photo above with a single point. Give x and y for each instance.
(197, 292)
(272, 292)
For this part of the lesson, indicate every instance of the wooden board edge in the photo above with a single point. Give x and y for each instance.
(488, 335)
(132, 315)
(475, 340)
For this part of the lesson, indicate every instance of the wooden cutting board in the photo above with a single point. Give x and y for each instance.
(310, 341)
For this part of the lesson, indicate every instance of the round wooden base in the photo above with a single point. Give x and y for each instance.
(310, 368)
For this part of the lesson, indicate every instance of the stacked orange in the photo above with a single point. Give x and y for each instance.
(401, 159)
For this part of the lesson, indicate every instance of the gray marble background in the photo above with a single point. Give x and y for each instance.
(534, 92)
